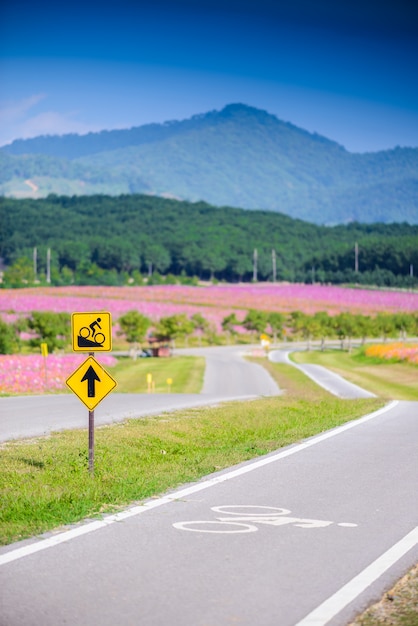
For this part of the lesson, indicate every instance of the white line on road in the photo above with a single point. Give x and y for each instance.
(43, 544)
(336, 603)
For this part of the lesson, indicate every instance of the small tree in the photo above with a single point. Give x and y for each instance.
(228, 324)
(403, 323)
(306, 325)
(255, 321)
(173, 327)
(345, 325)
(8, 338)
(324, 326)
(200, 324)
(20, 274)
(134, 326)
(51, 328)
(384, 325)
(276, 321)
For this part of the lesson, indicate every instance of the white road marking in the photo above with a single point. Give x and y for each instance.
(273, 510)
(337, 602)
(243, 528)
(43, 544)
(275, 517)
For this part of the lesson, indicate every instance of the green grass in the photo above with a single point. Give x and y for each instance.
(186, 373)
(45, 482)
(396, 381)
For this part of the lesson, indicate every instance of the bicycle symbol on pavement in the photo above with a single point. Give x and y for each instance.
(246, 519)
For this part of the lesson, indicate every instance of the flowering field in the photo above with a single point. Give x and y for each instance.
(27, 374)
(397, 351)
(213, 302)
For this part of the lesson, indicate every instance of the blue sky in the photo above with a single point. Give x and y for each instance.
(347, 70)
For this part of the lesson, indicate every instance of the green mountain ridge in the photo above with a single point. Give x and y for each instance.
(91, 234)
(239, 156)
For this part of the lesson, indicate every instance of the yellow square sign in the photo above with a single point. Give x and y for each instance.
(91, 332)
(91, 383)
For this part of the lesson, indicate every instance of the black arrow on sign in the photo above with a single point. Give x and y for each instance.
(90, 376)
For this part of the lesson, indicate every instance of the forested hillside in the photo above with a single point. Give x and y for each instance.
(103, 239)
(239, 156)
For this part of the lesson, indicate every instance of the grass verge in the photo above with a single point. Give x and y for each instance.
(45, 483)
(186, 373)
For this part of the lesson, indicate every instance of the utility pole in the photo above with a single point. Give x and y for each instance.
(48, 265)
(255, 259)
(273, 262)
(411, 270)
(313, 275)
(356, 257)
(35, 265)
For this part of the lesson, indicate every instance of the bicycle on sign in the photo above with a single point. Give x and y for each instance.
(88, 336)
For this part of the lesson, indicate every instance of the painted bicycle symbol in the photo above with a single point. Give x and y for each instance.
(247, 518)
(88, 337)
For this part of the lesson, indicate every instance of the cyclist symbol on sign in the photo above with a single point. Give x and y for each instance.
(88, 337)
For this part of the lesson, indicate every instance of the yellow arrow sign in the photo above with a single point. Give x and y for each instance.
(91, 383)
(92, 332)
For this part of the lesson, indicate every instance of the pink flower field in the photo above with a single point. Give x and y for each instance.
(213, 302)
(26, 373)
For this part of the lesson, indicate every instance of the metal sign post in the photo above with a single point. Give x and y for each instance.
(91, 442)
(90, 381)
(91, 436)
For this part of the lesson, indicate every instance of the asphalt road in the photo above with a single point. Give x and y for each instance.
(308, 535)
(330, 381)
(228, 376)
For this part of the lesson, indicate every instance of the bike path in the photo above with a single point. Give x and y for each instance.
(333, 383)
(272, 541)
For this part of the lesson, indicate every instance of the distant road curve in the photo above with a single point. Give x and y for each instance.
(228, 376)
(330, 381)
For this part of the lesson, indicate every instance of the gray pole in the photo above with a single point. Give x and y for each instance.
(91, 436)
(48, 265)
(356, 257)
(35, 265)
(91, 442)
(255, 265)
(273, 261)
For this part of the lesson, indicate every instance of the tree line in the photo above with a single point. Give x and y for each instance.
(54, 329)
(113, 241)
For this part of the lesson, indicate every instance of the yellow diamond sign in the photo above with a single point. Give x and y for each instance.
(91, 332)
(91, 383)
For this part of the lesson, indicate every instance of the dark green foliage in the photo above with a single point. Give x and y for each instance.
(51, 328)
(174, 326)
(255, 321)
(8, 338)
(239, 156)
(101, 240)
(134, 326)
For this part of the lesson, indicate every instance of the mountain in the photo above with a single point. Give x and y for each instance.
(239, 156)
